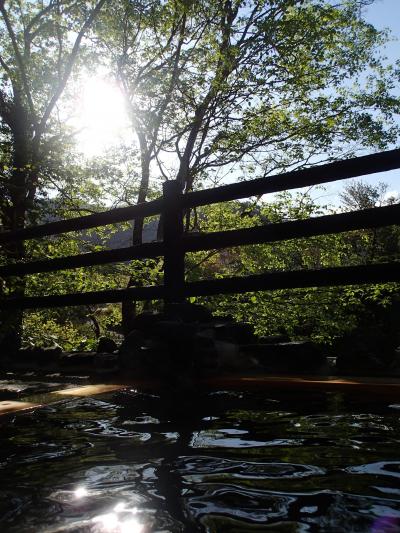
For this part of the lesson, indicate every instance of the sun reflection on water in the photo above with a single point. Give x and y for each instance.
(117, 521)
(80, 492)
(121, 519)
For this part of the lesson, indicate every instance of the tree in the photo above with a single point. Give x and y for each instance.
(260, 86)
(214, 89)
(360, 195)
(37, 57)
(377, 243)
(39, 46)
(247, 88)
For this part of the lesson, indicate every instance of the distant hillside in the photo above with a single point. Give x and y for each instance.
(123, 238)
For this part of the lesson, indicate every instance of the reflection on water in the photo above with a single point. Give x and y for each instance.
(229, 462)
(80, 492)
(122, 520)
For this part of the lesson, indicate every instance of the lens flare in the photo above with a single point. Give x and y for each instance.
(386, 524)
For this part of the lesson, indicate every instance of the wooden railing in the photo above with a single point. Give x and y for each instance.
(176, 243)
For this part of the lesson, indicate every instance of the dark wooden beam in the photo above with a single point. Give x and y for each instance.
(339, 170)
(121, 214)
(147, 250)
(327, 277)
(366, 218)
(86, 298)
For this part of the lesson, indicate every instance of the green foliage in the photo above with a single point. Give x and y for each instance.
(214, 89)
(322, 314)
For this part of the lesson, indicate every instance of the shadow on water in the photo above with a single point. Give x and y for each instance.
(218, 462)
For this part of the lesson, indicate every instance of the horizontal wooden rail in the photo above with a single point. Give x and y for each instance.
(147, 250)
(339, 170)
(349, 168)
(326, 277)
(353, 275)
(366, 218)
(327, 224)
(86, 298)
(121, 214)
(171, 206)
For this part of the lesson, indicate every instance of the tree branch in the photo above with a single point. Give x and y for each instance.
(69, 66)
(20, 62)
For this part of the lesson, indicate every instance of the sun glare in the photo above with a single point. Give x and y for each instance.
(101, 117)
(114, 522)
(80, 492)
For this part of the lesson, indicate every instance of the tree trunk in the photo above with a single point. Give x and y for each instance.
(128, 308)
(14, 219)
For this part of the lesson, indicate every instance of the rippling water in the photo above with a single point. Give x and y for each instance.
(229, 462)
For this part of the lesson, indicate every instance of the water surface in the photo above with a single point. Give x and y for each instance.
(228, 462)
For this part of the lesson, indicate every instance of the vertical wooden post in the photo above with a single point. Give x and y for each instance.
(174, 257)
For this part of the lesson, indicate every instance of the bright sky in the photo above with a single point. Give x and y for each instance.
(101, 116)
(382, 14)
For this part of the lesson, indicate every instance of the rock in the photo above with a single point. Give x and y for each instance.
(177, 313)
(206, 363)
(238, 332)
(146, 321)
(204, 341)
(134, 339)
(26, 355)
(395, 363)
(48, 356)
(18, 389)
(106, 345)
(274, 339)
(184, 342)
(360, 363)
(106, 363)
(172, 348)
(365, 351)
(143, 356)
(223, 318)
(228, 354)
(231, 359)
(78, 360)
(207, 332)
(130, 350)
(175, 331)
(188, 312)
(287, 357)
(10, 344)
(38, 355)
